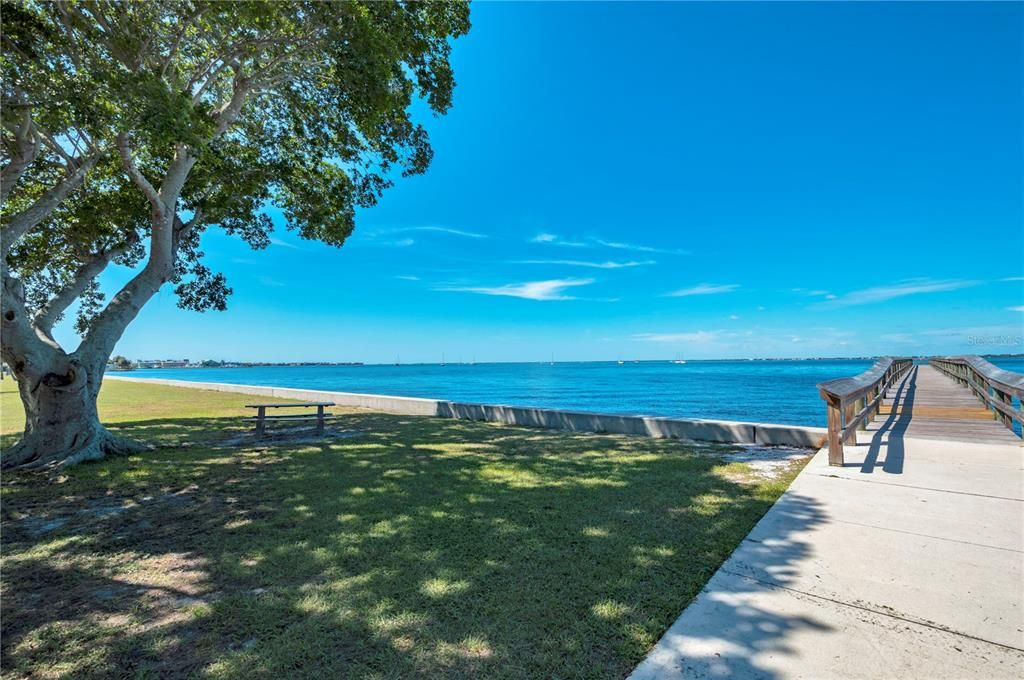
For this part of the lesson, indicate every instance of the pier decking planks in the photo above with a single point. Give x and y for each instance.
(932, 406)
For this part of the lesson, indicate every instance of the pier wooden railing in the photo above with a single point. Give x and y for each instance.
(853, 402)
(994, 386)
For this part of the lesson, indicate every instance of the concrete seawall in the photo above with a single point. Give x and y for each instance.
(721, 431)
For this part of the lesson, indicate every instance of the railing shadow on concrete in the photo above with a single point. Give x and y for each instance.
(895, 427)
(853, 402)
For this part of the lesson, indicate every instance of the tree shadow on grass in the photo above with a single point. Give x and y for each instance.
(743, 624)
(423, 548)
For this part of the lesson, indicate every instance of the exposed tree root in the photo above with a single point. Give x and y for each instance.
(35, 453)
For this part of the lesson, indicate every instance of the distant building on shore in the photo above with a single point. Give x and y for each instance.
(163, 363)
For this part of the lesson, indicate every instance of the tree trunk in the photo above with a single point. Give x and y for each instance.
(59, 390)
(62, 426)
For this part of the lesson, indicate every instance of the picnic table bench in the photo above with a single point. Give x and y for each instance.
(262, 418)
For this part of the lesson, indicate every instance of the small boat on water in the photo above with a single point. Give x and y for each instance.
(679, 359)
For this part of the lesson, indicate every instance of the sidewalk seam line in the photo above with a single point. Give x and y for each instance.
(937, 538)
(868, 609)
(912, 486)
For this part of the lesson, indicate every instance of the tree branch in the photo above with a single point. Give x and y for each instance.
(174, 180)
(136, 176)
(173, 51)
(198, 217)
(25, 350)
(108, 326)
(227, 114)
(27, 219)
(26, 150)
(211, 78)
(69, 160)
(65, 22)
(47, 316)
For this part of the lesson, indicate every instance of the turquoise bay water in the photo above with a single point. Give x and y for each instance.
(765, 391)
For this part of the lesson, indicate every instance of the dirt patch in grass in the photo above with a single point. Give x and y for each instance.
(767, 462)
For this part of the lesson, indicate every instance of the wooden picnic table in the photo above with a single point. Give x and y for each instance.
(262, 418)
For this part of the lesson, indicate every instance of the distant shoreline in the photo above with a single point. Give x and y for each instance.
(281, 364)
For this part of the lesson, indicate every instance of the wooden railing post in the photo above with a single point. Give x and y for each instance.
(1008, 400)
(851, 403)
(849, 436)
(992, 398)
(835, 433)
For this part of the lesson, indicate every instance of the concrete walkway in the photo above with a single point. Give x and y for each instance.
(908, 562)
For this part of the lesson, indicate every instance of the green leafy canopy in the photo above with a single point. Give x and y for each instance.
(324, 125)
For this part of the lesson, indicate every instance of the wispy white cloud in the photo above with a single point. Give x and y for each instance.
(898, 290)
(531, 290)
(1018, 308)
(734, 317)
(274, 241)
(393, 238)
(1012, 278)
(436, 230)
(270, 281)
(595, 265)
(556, 240)
(640, 248)
(700, 337)
(407, 277)
(757, 341)
(376, 241)
(705, 289)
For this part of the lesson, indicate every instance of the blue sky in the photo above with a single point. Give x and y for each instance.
(644, 180)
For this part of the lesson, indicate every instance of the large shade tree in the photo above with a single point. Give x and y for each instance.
(129, 129)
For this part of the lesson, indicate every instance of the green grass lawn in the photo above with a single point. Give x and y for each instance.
(419, 547)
